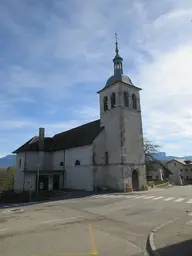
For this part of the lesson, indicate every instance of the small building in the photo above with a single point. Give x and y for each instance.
(157, 170)
(106, 153)
(181, 171)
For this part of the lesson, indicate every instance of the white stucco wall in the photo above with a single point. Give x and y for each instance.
(57, 158)
(179, 170)
(99, 148)
(32, 160)
(84, 154)
(19, 174)
(30, 182)
(123, 126)
(175, 168)
(133, 137)
(155, 174)
(79, 177)
(48, 160)
(110, 119)
(123, 136)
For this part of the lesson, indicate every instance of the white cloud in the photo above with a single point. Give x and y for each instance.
(88, 113)
(73, 43)
(166, 80)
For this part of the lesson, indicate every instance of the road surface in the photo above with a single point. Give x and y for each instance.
(105, 224)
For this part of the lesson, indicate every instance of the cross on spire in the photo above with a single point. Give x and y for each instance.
(116, 43)
(116, 37)
(118, 65)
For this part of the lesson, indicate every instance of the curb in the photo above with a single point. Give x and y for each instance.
(151, 244)
(163, 185)
(17, 205)
(150, 241)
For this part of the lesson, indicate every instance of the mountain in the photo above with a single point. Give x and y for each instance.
(162, 156)
(7, 161)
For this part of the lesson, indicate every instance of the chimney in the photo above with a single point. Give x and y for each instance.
(41, 138)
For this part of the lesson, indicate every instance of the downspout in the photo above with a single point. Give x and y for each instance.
(64, 170)
(24, 166)
(93, 166)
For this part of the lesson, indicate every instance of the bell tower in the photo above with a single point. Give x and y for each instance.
(120, 115)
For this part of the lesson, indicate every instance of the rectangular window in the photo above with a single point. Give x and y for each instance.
(106, 158)
(175, 164)
(186, 170)
(181, 170)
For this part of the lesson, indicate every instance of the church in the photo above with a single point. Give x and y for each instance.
(104, 154)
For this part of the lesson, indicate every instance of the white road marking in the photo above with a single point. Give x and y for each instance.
(189, 222)
(159, 197)
(179, 200)
(109, 196)
(119, 196)
(148, 197)
(140, 196)
(169, 199)
(4, 229)
(55, 220)
(96, 196)
(128, 196)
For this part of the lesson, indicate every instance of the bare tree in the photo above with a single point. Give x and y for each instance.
(149, 150)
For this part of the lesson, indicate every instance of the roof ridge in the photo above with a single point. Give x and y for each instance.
(76, 137)
(77, 127)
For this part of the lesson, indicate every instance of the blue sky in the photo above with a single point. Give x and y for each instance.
(56, 54)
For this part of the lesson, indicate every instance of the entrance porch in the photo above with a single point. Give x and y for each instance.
(43, 180)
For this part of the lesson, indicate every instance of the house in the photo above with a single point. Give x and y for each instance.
(181, 171)
(104, 153)
(157, 170)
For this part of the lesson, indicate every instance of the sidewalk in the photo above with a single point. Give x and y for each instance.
(175, 238)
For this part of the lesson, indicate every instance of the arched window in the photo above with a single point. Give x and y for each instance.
(105, 103)
(126, 99)
(20, 162)
(134, 101)
(77, 162)
(61, 164)
(113, 102)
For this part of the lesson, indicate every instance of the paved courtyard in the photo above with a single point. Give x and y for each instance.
(110, 224)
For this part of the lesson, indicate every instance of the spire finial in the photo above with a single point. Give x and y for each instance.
(116, 43)
(118, 65)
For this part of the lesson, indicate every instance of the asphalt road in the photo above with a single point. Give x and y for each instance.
(111, 224)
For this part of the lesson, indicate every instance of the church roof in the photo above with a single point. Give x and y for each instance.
(118, 78)
(76, 137)
(118, 72)
(33, 145)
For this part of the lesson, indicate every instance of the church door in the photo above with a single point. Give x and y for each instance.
(135, 180)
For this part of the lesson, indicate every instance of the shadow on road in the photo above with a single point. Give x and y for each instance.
(12, 199)
(23, 199)
(179, 249)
